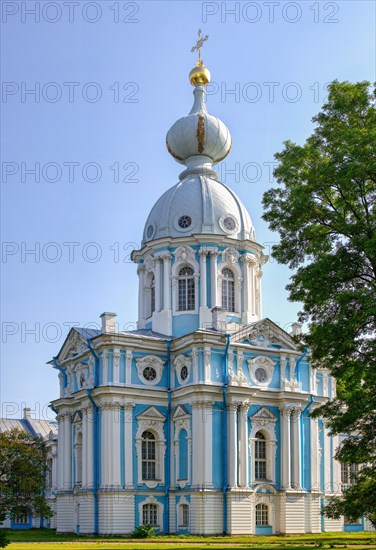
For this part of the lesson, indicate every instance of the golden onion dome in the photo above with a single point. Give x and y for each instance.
(199, 74)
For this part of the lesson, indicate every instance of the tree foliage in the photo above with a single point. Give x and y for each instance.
(324, 211)
(22, 475)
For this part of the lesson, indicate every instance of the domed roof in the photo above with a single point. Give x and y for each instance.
(198, 133)
(198, 205)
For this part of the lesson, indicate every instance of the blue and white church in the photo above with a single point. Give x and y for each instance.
(198, 421)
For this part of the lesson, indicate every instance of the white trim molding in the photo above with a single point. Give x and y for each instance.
(182, 421)
(184, 256)
(264, 421)
(152, 361)
(179, 362)
(160, 507)
(151, 420)
(230, 259)
(261, 362)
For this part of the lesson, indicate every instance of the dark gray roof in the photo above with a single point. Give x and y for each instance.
(88, 332)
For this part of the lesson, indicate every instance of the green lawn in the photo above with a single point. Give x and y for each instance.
(46, 539)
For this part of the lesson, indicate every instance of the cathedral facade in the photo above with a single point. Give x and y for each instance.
(198, 421)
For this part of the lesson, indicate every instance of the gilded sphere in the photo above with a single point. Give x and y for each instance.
(199, 75)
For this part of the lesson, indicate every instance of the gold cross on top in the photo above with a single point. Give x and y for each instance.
(199, 44)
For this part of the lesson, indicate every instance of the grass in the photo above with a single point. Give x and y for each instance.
(45, 539)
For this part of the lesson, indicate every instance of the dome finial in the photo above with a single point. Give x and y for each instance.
(199, 74)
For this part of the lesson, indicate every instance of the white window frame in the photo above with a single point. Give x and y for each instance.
(153, 421)
(261, 361)
(185, 256)
(264, 506)
(150, 361)
(160, 507)
(230, 260)
(182, 421)
(264, 421)
(179, 362)
(180, 513)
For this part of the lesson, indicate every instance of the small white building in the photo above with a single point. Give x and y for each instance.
(198, 421)
(47, 430)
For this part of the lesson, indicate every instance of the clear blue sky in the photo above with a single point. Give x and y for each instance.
(134, 57)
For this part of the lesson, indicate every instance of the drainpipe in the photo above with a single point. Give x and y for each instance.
(302, 435)
(297, 371)
(224, 398)
(95, 436)
(60, 368)
(168, 438)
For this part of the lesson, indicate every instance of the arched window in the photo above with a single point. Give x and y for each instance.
(228, 289)
(152, 296)
(184, 516)
(148, 456)
(260, 456)
(262, 514)
(150, 514)
(186, 289)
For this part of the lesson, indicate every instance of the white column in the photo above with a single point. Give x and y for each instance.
(286, 448)
(203, 291)
(296, 452)
(105, 444)
(328, 460)
(89, 447)
(105, 368)
(157, 283)
(232, 444)
(197, 451)
(115, 477)
(195, 365)
(84, 449)
(336, 466)
(207, 367)
(246, 289)
(128, 445)
(243, 444)
(315, 462)
(67, 454)
(60, 451)
(253, 288)
(283, 372)
(166, 257)
(128, 367)
(214, 278)
(141, 284)
(116, 366)
(207, 443)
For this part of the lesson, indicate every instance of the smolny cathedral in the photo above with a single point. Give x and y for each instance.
(198, 421)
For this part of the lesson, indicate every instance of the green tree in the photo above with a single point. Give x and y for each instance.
(22, 475)
(324, 211)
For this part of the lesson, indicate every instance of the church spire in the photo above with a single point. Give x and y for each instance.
(199, 139)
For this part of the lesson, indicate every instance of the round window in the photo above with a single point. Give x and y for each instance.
(229, 223)
(184, 221)
(149, 373)
(261, 374)
(150, 232)
(184, 372)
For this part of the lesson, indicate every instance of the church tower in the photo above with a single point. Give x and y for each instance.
(199, 249)
(197, 421)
